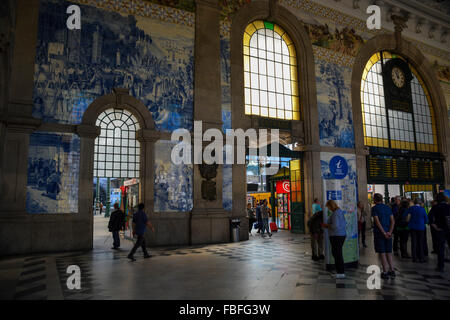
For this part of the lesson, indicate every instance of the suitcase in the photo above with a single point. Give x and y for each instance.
(273, 227)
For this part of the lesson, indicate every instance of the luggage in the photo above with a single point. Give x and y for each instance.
(273, 227)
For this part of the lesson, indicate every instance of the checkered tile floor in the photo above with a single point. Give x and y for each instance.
(261, 268)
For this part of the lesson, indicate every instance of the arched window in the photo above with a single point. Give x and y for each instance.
(270, 72)
(116, 149)
(389, 128)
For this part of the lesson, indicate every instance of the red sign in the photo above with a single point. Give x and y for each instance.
(283, 186)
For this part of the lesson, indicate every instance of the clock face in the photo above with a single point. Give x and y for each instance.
(398, 77)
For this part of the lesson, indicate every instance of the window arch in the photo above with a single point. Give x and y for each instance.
(117, 151)
(395, 129)
(270, 72)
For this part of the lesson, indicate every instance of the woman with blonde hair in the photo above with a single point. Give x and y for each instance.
(336, 226)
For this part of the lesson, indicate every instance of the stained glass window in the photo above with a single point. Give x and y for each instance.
(390, 128)
(270, 72)
(117, 151)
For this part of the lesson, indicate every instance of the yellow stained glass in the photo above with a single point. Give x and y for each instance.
(250, 29)
(268, 95)
(259, 24)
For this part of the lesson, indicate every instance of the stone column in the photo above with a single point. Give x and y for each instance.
(210, 222)
(85, 195)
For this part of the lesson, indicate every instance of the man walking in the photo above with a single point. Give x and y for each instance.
(258, 217)
(140, 222)
(440, 222)
(116, 223)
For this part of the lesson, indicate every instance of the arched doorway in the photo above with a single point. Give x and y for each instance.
(273, 87)
(117, 142)
(414, 136)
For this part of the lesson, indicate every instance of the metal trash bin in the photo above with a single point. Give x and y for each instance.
(235, 228)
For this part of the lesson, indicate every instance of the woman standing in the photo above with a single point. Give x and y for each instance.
(361, 223)
(336, 225)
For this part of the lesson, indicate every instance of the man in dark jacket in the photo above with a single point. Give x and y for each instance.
(439, 220)
(316, 235)
(116, 223)
(259, 217)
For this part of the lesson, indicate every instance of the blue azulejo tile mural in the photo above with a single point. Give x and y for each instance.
(225, 63)
(173, 183)
(53, 172)
(333, 102)
(152, 58)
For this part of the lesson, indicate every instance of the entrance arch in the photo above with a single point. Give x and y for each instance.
(88, 132)
(407, 50)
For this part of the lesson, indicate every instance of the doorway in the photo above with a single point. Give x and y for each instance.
(116, 173)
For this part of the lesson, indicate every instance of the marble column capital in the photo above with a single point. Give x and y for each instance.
(147, 135)
(87, 131)
(20, 124)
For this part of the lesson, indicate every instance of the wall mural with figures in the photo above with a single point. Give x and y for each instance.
(53, 171)
(152, 58)
(225, 64)
(333, 102)
(173, 183)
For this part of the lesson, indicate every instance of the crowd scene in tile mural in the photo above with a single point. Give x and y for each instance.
(73, 69)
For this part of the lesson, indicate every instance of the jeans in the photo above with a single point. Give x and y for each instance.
(317, 244)
(417, 245)
(337, 242)
(140, 242)
(265, 226)
(441, 238)
(404, 235)
(116, 239)
(362, 233)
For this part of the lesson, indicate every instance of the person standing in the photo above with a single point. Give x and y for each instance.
(440, 222)
(382, 234)
(403, 229)
(101, 208)
(251, 217)
(361, 223)
(314, 225)
(316, 206)
(395, 212)
(116, 223)
(140, 222)
(337, 234)
(258, 217)
(265, 219)
(417, 218)
(433, 230)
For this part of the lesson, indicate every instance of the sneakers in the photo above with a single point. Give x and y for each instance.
(321, 257)
(384, 275)
(146, 256)
(340, 275)
(391, 274)
(315, 258)
(270, 235)
(131, 257)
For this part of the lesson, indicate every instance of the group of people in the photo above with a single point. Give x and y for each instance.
(139, 225)
(392, 226)
(260, 215)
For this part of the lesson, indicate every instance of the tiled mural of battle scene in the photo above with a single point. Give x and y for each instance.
(150, 57)
(53, 172)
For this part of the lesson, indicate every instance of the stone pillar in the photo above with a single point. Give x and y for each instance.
(147, 139)
(210, 222)
(85, 195)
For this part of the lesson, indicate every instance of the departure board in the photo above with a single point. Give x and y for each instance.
(382, 169)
